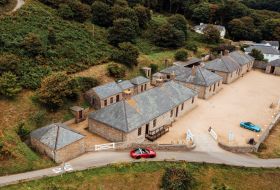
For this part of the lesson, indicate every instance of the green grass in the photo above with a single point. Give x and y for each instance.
(148, 175)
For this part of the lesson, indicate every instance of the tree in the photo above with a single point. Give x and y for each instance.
(271, 29)
(121, 31)
(116, 70)
(179, 22)
(233, 9)
(52, 36)
(143, 14)
(33, 44)
(126, 54)
(135, 2)
(181, 55)
(101, 14)
(9, 86)
(81, 11)
(65, 11)
(257, 54)
(3, 2)
(167, 35)
(55, 89)
(211, 34)
(9, 62)
(177, 179)
(86, 83)
(201, 13)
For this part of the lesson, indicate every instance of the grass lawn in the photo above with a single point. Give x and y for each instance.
(149, 174)
(270, 148)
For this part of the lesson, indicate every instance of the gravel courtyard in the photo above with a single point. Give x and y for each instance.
(247, 99)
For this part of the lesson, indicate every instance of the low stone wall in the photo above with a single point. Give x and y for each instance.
(155, 146)
(260, 65)
(252, 148)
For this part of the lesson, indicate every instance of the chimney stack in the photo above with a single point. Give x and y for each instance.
(172, 75)
(194, 70)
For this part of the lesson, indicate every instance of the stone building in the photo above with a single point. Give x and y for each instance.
(110, 93)
(273, 67)
(205, 82)
(58, 142)
(146, 115)
(245, 61)
(269, 52)
(226, 67)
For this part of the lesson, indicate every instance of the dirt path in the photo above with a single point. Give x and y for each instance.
(19, 4)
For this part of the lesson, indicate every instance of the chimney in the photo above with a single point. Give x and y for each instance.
(127, 94)
(193, 71)
(172, 76)
(226, 52)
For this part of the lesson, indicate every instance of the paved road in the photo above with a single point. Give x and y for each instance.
(96, 159)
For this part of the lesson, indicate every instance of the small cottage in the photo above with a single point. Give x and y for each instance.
(146, 115)
(246, 62)
(269, 53)
(273, 67)
(58, 142)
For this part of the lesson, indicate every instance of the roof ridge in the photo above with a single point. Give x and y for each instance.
(56, 139)
(225, 64)
(126, 122)
(202, 76)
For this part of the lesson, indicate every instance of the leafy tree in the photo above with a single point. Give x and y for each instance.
(55, 89)
(3, 2)
(65, 11)
(135, 2)
(257, 54)
(179, 22)
(116, 70)
(89, 2)
(177, 179)
(9, 86)
(181, 55)
(101, 14)
(201, 13)
(271, 29)
(143, 15)
(154, 68)
(9, 62)
(233, 9)
(81, 11)
(126, 54)
(211, 34)
(223, 47)
(122, 3)
(33, 45)
(167, 35)
(121, 31)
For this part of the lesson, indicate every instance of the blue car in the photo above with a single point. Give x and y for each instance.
(250, 126)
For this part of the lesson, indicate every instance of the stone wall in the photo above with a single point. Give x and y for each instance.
(42, 148)
(154, 146)
(260, 65)
(276, 70)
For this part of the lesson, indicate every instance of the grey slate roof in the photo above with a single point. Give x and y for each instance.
(272, 43)
(189, 62)
(275, 63)
(202, 77)
(139, 80)
(240, 57)
(224, 64)
(126, 84)
(106, 90)
(264, 49)
(56, 136)
(158, 74)
(130, 114)
(177, 70)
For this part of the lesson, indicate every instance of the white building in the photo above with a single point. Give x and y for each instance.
(274, 44)
(270, 53)
(199, 29)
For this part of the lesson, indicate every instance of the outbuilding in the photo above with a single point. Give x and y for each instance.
(273, 67)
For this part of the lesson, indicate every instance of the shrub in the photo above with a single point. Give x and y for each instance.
(33, 45)
(177, 179)
(179, 22)
(257, 54)
(143, 14)
(65, 11)
(38, 118)
(101, 14)
(191, 46)
(116, 70)
(86, 83)
(22, 131)
(9, 62)
(126, 54)
(9, 86)
(223, 47)
(181, 55)
(154, 68)
(211, 34)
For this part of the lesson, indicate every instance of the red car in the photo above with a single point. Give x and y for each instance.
(142, 153)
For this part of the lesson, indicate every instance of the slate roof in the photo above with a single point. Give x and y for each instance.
(158, 74)
(240, 57)
(202, 77)
(272, 43)
(140, 109)
(275, 63)
(177, 70)
(263, 48)
(106, 90)
(224, 64)
(189, 62)
(139, 80)
(56, 136)
(126, 84)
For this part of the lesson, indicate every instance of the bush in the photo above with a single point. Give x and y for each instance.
(181, 55)
(126, 54)
(177, 179)
(154, 68)
(22, 131)
(223, 47)
(33, 45)
(116, 70)
(211, 34)
(179, 22)
(191, 46)
(86, 83)
(9, 62)
(9, 86)
(101, 14)
(257, 54)
(38, 118)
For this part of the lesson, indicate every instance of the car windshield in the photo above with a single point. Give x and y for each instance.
(138, 151)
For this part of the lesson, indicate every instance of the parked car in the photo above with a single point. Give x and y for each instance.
(143, 153)
(250, 126)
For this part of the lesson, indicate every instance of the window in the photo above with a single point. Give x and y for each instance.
(111, 100)
(210, 89)
(145, 86)
(219, 83)
(154, 123)
(192, 100)
(139, 131)
(141, 88)
(105, 102)
(182, 106)
(118, 98)
(171, 113)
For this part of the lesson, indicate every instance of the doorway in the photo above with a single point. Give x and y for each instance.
(177, 110)
(272, 69)
(147, 129)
